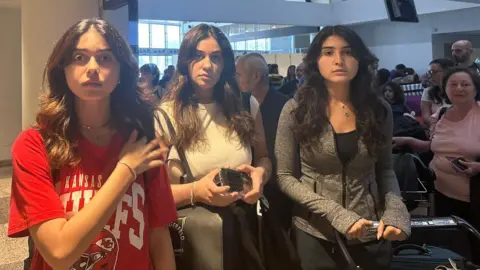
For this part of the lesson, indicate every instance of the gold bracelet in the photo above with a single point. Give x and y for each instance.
(132, 171)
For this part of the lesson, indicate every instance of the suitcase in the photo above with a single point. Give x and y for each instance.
(415, 257)
(424, 257)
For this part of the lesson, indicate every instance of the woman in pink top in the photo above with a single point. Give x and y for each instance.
(454, 135)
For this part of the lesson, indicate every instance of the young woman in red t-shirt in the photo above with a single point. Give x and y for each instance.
(91, 195)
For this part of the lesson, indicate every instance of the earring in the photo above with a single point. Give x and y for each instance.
(118, 82)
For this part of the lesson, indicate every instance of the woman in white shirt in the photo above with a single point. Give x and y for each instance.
(214, 130)
(432, 97)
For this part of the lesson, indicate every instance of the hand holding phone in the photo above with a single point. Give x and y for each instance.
(257, 177)
(238, 181)
(208, 192)
(457, 165)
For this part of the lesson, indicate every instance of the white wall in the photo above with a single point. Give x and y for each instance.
(238, 11)
(10, 78)
(394, 44)
(295, 12)
(411, 44)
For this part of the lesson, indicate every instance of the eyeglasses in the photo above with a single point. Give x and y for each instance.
(433, 72)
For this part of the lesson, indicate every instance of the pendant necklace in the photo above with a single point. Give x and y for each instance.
(344, 109)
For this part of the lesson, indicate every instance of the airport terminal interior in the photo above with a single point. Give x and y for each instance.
(409, 47)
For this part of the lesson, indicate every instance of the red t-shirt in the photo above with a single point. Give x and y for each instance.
(123, 243)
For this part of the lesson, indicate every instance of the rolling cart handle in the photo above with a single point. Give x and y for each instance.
(341, 243)
(454, 221)
(465, 225)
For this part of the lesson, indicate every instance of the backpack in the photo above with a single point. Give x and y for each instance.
(406, 126)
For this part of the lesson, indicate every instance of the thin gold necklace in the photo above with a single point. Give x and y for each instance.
(91, 129)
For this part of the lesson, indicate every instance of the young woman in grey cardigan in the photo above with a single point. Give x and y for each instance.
(333, 150)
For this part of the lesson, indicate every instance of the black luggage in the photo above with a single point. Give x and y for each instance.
(415, 257)
(412, 256)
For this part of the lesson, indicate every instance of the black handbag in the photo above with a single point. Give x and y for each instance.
(207, 237)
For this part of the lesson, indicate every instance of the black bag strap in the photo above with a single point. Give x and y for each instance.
(181, 153)
(246, 101)
(443, 110)
(245, 97)
(351, 265)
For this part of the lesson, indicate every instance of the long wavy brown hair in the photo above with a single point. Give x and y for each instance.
(226, 92)
(311, 114)
(57, 120)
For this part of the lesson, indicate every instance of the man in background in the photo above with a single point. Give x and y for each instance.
(253, 77)
(399, 71)
(275, 78)
(167, 76)
(300, 74)
(462, 55)
(300, 70)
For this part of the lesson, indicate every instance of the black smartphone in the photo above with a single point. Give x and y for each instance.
(459, 166)
(238, 181)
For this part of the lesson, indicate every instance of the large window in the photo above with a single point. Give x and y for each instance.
(143, 59)
(173, 36)
(262, 45)
(251, 45)
(158, 35)
(159, 41)
(240, 46)
(143, 35)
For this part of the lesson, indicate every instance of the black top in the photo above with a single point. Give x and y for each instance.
(271, 108)
(474, 68)
(289, 88)
(347, 145)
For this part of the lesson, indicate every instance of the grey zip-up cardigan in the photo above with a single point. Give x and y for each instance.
(330, 196)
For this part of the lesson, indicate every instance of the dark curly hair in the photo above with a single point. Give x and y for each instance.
(311, 113)
(226, 92)
(398, 94)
